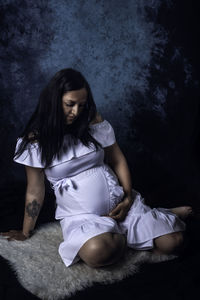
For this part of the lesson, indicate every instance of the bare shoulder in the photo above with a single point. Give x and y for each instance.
(98, 119)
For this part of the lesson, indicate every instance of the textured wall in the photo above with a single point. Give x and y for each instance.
(136, 57)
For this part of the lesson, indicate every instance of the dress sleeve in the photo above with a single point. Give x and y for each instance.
(103, 132)
(30, 157)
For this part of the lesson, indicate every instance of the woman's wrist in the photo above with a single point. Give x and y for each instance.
(27, 234)
(132, 194)
(128, 195)
(129, 199)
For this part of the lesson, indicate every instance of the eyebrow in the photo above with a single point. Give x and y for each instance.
(73, 101)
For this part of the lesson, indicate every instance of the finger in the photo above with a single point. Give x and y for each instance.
(121, 216)
(5, 233)
(4, 237)
(115, 211)
(115, 217)
(118, 211)
(10, 239)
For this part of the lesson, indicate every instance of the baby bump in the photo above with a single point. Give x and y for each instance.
(91, 191)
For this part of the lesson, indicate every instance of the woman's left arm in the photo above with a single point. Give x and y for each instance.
(116, 160)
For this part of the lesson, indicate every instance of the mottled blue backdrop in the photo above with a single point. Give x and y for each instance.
(140, 59)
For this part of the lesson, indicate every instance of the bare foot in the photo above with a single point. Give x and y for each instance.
(183, 212)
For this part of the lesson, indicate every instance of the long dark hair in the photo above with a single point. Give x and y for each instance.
(47, 124)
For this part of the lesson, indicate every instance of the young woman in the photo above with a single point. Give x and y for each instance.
(100, 214)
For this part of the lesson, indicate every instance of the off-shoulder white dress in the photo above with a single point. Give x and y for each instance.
(86, 190)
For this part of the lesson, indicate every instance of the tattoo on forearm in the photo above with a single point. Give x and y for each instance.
(33, 209)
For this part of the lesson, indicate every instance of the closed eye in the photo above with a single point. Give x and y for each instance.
(70, 105)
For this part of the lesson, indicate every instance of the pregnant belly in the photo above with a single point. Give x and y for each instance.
(88, 193)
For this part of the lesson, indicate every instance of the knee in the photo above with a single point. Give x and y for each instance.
(170, 243)
(177, 241)
(101, 252)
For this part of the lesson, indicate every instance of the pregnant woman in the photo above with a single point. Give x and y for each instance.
(100, 214)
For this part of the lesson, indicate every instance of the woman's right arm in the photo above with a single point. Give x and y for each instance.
(34, 199)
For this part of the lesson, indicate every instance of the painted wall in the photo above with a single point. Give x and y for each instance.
(140, 58)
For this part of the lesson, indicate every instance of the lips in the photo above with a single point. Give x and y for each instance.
(71, 119)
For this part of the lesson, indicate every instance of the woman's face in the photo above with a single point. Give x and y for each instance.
(73, 103)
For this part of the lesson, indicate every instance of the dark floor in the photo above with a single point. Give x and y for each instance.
(175, 280)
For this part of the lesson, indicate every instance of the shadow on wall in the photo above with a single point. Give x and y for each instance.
(164, 143)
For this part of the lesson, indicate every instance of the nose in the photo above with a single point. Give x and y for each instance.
(75, 110)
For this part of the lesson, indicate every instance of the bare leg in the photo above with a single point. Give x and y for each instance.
(102, 250)
(171, 243)
(183, 212)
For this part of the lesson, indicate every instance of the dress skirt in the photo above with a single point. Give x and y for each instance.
(84, 202)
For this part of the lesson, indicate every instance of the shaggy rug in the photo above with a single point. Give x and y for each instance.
(41, 271)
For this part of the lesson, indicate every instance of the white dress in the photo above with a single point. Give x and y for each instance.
(86, 190)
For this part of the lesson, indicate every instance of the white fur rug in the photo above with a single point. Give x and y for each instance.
(40, 269)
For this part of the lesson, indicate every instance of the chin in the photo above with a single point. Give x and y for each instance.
(70, 122)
